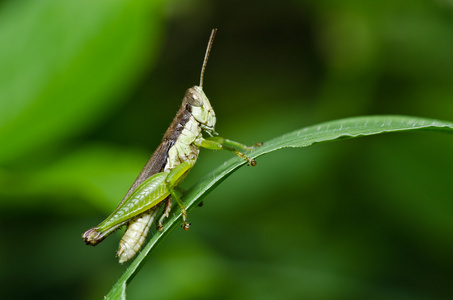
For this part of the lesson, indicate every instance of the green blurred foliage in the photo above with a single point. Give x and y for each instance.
(87, 88)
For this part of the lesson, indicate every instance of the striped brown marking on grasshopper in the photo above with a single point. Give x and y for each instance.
(166, 168)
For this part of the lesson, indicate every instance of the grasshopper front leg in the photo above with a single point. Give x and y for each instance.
(220, 143)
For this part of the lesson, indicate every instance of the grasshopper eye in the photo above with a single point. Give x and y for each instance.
(193, 97)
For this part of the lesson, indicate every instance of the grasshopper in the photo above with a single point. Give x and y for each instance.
(167, 167)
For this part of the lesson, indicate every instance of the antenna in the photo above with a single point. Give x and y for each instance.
(208, 50)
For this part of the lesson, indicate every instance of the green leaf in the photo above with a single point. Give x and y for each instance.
(87, 172)
(325, 132)
(65, 63)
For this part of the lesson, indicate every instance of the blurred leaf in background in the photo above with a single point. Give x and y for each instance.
(87, 89)
(65, 67)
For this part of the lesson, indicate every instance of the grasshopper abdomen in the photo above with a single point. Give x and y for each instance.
(167, 167)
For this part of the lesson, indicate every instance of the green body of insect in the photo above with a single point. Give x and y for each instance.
(167, 167)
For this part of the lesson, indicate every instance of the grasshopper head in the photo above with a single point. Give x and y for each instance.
(201, 108)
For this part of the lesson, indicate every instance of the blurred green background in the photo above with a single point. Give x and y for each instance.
(87, 89)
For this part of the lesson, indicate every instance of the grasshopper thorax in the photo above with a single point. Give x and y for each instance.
(201, 108)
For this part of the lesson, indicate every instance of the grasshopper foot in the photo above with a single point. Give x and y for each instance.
(185, 225)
